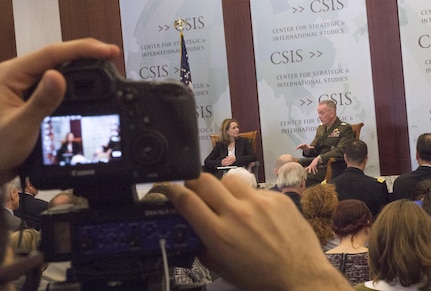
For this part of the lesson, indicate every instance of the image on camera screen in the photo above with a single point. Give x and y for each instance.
(72, 140)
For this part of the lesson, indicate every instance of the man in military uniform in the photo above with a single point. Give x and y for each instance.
(354, 184)
(330, 141)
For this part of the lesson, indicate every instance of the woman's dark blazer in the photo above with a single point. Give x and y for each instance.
(243, 152)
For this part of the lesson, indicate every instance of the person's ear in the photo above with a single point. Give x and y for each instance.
(368, 230)
(14, 195)
(303, 183)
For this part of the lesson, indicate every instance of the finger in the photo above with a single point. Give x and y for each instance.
(56, 54)
(45, 99)
(27, 70)
(29, 115)
(212, 192)
(192, 208)
(237, 187)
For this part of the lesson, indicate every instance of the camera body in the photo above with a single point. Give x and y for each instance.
(120, 245)
(108, 135)
(108, 128)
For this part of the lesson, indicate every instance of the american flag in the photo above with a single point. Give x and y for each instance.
(185, 75)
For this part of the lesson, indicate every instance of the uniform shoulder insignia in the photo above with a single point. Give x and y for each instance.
(324, 182)
(380, 180)
(343, 123)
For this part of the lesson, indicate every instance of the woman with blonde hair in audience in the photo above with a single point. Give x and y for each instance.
(25, 240)
(399, 249)
(351, 224)
(318, 204)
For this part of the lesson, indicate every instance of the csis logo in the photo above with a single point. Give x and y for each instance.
(193, 23)
(318, 6)
(343, 98)
(152, 72)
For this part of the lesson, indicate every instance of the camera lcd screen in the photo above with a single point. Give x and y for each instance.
(73, 140)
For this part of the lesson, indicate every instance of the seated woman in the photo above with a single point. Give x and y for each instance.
(68, 149)
(399, 249)
(351, 224)
(230, 150)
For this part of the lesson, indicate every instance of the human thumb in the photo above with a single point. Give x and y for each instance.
(46, 97)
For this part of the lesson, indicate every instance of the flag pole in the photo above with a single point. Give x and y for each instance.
(185, 75)
(179, 24)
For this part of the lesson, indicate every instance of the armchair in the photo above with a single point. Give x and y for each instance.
(336, 166)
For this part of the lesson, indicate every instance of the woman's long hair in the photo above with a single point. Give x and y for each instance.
(318, 206)
(399, 245)
(223, 136)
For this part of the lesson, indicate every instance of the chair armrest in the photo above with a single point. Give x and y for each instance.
(330, 167)
(253, 167)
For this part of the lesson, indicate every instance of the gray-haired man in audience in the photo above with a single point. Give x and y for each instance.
(282, 159)
(291, 181)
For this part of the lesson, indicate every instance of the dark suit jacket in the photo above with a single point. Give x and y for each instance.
(296, 198)
(243, 152)
(405, 185)
(354, 184)
(275, 188)
(13, 222)
(30, 209)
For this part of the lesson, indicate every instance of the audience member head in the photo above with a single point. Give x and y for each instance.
(229, 129)
(283, 159)
(158, 188)
(67, 198)
(154, 196)
(26, 240)
(423, 193)
(350, 217)
(245, 175)
(156, 193)
(318, 206)
(356, 153)
(327, 111)
(292, 175)
(399, 245)
(423, 149)
(10, 193)
(29, 188)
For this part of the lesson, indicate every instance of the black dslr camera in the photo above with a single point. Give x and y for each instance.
(111, 129)
(107, 135)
